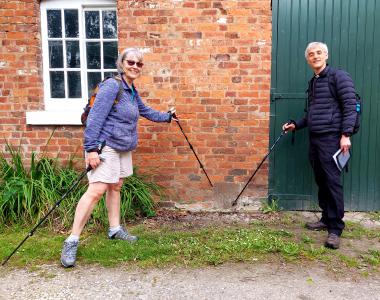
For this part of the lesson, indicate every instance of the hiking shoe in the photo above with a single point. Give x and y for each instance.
(332, 241)
(69, 254)
(123, 234)
(316, 225)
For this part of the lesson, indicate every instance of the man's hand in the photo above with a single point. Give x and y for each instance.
(92, 159)
(288, 127)
(345, 143)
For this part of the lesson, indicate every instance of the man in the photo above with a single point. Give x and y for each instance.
(330, 118)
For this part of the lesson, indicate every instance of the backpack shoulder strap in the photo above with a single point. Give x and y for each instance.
(332, 82)
(121, 88)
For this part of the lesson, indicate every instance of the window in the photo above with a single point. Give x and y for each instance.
(79, 49)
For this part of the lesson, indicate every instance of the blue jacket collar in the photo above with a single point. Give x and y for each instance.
(126, 86)
(325, 71)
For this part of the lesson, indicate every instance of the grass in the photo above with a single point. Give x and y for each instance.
(168, 246)
(204, 247)
(375, 216)
(356, 231)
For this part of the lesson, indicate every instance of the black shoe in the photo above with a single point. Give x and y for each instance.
(333, 241)
(316, 226)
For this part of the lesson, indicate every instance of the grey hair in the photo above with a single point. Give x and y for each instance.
(124, 54)
(316, 44)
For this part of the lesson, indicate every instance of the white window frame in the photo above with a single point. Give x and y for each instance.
(65, 111)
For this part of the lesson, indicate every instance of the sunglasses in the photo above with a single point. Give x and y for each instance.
(132, 63)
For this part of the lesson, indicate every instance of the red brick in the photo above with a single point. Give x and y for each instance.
(188, 4)
(157, 20)
(141, 35)
(209, 12)
(192, 35)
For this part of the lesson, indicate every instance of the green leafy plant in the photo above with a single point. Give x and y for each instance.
(29, 188)
(270, 206)
(136, 198)
(27, 192)
(314, 206)
(375, 216)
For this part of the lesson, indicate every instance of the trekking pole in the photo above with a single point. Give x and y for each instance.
(259, 166)
(191, 147)
(89, 168)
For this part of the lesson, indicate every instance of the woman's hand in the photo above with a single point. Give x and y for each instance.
(172, 113)
(92, 159)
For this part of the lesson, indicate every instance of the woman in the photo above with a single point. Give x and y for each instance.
(115, 123)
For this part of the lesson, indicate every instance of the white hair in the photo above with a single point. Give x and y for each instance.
(124, 54)
(316, 44)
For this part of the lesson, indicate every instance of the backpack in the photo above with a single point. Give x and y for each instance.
(359, 101)
(91, 100)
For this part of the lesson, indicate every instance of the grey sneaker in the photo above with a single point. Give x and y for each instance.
(69, 254)
(332, 241)
(123, 234)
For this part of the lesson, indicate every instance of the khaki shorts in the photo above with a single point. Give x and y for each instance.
(116, 165)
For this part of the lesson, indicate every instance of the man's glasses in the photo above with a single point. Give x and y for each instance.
(132, 63)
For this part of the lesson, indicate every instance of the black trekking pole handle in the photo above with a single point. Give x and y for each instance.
(192, 148)
(89, 168)
(259, 166)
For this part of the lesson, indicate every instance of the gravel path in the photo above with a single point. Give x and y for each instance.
(230, 281)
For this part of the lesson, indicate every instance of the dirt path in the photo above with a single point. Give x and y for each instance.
(231, 281)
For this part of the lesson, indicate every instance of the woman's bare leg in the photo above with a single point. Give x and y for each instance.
(113, 203)
(86, 205)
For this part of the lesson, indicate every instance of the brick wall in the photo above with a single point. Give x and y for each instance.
(209, 59)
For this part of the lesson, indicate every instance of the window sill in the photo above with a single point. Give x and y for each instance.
(53, 117)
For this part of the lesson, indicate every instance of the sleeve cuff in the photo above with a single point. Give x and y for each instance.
(170, 117)
(93, 150)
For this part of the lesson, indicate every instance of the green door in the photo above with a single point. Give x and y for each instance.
(351, 29)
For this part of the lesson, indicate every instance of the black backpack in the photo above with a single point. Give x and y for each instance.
(91, 100)
(359, 101)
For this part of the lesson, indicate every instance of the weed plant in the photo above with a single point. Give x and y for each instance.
(136, 199)
(270, 206)
(29, 190)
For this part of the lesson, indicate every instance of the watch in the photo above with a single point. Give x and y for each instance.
(346, 134)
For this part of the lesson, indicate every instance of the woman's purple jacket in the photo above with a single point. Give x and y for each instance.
(117, 124)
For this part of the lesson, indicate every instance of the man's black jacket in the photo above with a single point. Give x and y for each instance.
(325, 113)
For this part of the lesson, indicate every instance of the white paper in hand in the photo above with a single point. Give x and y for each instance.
(341, 159)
